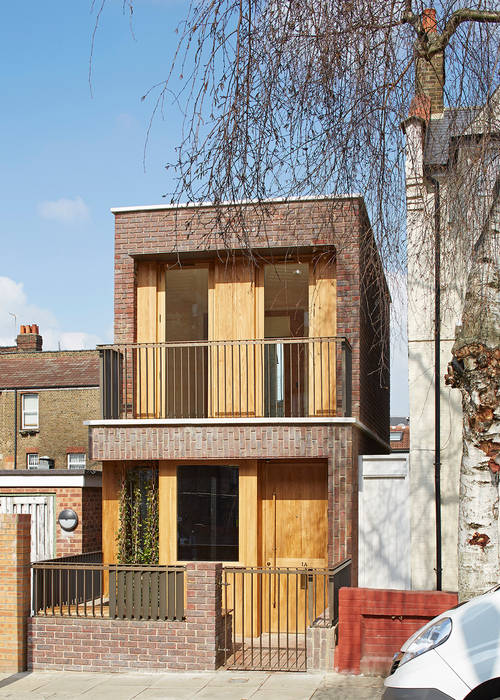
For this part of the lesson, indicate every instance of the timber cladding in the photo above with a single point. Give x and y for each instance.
(338, 226)
(248, 447)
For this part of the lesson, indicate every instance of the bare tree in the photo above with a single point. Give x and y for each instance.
(306, 97)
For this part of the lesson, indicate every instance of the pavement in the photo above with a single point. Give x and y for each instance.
(223, 685)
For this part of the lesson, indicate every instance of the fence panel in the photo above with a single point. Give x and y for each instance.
(70, 587)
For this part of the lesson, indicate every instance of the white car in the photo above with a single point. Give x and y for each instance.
(455, 656)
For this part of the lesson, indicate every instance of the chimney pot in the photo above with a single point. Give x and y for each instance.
(29, 339)
(429, 21)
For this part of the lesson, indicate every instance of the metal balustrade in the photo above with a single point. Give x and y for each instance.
(81, 586)
(285, 377)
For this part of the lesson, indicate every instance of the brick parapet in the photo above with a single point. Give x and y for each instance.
(211, 441)
(15, 551)
(124, 645)
(374, 623)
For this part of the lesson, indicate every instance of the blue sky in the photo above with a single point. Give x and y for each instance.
(69, 156)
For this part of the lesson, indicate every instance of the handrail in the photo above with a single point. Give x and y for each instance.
(259, 377)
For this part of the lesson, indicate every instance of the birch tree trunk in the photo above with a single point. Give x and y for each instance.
(475, 370)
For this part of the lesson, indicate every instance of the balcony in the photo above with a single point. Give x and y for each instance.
(285, 377)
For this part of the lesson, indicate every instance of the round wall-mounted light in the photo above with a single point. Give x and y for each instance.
(68, 519)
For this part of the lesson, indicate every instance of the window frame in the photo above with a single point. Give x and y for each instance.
(32, 466)
(24, 412)
(208, 466)
(73, 454)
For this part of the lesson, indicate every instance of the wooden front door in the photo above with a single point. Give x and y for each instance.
(294, 534)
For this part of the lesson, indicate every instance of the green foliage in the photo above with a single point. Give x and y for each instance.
(137, 536)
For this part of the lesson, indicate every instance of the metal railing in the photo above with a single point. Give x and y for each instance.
(79, 587)
(269, 611)
(286, 377)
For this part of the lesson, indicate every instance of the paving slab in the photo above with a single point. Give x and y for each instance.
(210, 685)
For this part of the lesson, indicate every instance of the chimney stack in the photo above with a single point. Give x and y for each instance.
(29, 339)
(429, 73)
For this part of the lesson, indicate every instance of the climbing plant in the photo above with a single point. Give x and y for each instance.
(137, 536)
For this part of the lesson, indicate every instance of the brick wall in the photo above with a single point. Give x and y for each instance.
(341, 224)
(86, 502)
(61, 428)
(320, 648)
(122, 645)
(211, 441)
(374, 623)
(15, 548)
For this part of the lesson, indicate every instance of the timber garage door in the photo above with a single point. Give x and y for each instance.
(41, 509)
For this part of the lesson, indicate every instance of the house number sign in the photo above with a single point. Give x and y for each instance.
(68, 519)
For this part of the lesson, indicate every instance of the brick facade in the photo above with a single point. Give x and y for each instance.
(15, 589)
(374, 623)
(86, 502)
(339, 227)
(62, 413)
(338, 443)
(192, 644)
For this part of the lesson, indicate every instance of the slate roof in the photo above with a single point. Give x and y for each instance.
(453, 123)
(42, 370)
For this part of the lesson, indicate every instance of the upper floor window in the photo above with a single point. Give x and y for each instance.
(186, 304)
(286, 300)
(76, 460)
(30, 411)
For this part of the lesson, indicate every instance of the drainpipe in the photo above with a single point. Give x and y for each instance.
(437, 378)
(15, 428)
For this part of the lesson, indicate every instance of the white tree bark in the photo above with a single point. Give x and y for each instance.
(475, 370)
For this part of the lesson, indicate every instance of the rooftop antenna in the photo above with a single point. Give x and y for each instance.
(15, 319)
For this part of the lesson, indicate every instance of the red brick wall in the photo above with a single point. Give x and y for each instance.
(342, 224)
(15, 546)
(86, 502)
(374, 623)
(60, 643)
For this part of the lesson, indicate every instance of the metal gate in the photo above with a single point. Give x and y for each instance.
(41, 509)
(270, 611)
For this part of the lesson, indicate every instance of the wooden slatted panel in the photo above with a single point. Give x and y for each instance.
(163, 611)
(154, 595)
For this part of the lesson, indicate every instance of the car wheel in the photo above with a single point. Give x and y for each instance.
(486, 691)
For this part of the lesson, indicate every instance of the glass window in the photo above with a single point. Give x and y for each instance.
(186, 302)
(207, 513)
(286, 300)
(30, 411)
(396, 436)
(76, 460)
(286, 303)
(32, 460)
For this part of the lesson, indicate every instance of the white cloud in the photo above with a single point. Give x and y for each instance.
(15, 310)
(66, 211)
